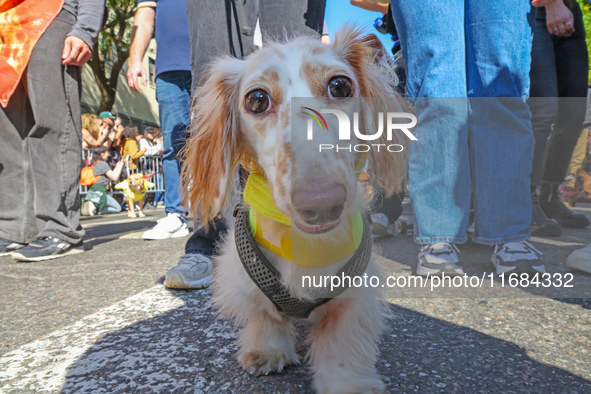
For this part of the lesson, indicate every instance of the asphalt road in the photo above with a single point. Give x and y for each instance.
(101, 322)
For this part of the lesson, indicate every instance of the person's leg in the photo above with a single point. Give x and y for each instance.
(216, 27)
(112, 206)
(543, 102)
(572, 71)
(173, 90)
(543, 105)
(54, 146)
(579, 153)
(17, 216)
(54, 143)
(291, 18)
(439, 170)
(572, 68)
(499, 45)
(219, 27)
(439, 173)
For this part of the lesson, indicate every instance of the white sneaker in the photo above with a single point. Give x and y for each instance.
(88, 209)
(192, 272)
(580, 259)
(170, 226)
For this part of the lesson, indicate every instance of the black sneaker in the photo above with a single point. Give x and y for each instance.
(541, 225)
(7, 247)
(47, 248)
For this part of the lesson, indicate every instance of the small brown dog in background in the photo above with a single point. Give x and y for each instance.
(585, 195)
(135, 187)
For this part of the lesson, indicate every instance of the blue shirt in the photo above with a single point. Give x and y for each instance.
(173, 51)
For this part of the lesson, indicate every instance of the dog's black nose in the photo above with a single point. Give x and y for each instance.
(320, 205)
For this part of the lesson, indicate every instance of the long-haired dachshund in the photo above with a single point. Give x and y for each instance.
(243, 114)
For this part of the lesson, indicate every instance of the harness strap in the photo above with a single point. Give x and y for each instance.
(268, 279)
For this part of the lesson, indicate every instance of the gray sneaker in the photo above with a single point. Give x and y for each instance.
(439, 258)
(7, 247)
(517, 257)
(192, 272)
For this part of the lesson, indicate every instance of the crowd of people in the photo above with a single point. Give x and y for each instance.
(468, 73)
(119, 148)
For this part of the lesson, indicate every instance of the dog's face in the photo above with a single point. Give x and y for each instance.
(243, 114)
(136, 182)
(570, 183)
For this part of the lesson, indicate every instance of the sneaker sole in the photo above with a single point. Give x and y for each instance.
(424, 271)
(177, 234)
(19, 257)
(174, 281)
(578, 264)
(519, 268)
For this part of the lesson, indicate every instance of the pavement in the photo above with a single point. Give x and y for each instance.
(102, 322)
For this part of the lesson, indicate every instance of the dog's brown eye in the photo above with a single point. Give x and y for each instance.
(340, 87)
(258, 101)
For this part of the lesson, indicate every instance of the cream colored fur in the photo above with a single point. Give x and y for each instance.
(346, 330)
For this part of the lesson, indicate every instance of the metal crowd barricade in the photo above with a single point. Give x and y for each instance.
(149, 166)
(151, 169)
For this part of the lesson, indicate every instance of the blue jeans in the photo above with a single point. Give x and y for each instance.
(173, 92)
(469, 140)
(112, 206)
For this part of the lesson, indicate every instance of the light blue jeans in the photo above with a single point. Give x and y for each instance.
(173, 92)
(112, 206)
(467, 65)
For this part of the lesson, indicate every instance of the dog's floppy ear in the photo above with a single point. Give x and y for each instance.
(377, 85)
(210, 153)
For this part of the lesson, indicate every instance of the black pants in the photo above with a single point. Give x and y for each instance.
(558, 97)
(226, 27)
(41, 147)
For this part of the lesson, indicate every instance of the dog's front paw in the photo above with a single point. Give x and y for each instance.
(258, 364)
(142, 214)
(131, 214)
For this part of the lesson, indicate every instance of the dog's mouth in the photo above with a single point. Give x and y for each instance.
(317, 229)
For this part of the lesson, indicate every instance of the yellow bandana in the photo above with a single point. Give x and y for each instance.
(291, 245)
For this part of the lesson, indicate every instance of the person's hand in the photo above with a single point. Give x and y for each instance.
(559, 19)
(104, 130)
(543, 3)
(136, 70)
(76, 52)
(120, 163)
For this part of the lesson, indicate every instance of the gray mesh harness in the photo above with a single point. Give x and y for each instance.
(268, 279)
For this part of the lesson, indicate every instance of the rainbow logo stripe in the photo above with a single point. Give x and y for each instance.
(316, 118)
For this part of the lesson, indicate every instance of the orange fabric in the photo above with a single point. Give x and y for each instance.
(22, 22)
(87, 177)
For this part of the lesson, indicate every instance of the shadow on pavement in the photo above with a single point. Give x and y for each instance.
(188, 350)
